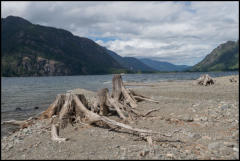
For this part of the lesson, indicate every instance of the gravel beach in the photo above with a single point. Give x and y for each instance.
(206, 118)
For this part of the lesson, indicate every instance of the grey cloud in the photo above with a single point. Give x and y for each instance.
(177, 32)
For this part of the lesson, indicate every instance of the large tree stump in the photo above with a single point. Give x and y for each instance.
(120, 93)
(205, 80)
(72, 108)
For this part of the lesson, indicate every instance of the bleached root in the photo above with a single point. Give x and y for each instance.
(140, 97)
(74, 108)
(22, 124)
(55, 134)
(117, 106)
(14, 122)
(93, 117)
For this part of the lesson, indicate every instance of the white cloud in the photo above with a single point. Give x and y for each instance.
(178, 32)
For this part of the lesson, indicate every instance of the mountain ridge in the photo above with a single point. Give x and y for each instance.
(224, 57)
(23, 43)
(163, 66)
(131, 63)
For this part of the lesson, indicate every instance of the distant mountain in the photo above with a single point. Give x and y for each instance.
(35, 50)
(223, 58)
(132, 64)
(163, 66)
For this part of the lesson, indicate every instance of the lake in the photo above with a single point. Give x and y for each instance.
(26, 93)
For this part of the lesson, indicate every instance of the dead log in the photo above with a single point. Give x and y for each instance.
(205, 80)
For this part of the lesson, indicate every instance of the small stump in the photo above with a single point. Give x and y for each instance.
(205, 80)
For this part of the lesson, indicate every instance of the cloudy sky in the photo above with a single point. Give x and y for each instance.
(177, 32)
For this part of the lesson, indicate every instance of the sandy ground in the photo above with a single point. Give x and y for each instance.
(206, 118)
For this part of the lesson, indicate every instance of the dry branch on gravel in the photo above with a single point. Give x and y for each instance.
(21, 124)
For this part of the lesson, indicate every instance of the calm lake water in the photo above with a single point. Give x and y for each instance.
(29, 92)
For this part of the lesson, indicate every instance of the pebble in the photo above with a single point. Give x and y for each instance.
(196, 136)
(226, 106)
(36, 107)
(230, 144)
(144, 153)
(187, 118)
(18, 109)
(214, 145)
(235, 149)
(187, 151)
(200, 119)
(206, 137)
(169, 155)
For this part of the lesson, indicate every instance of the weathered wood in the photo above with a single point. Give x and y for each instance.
(21, 124)
(54, 108)
(205, 80)
(66, 111)
(55, 127)
(117, 106)
(233, 80)
(102, 101)
(55, 133)
(150, 111)
(120, 93)
(73, 108)
(139, 97)
(93, 117)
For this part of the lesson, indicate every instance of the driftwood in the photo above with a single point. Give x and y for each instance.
(140, 97)
(233, 80)
(55, 130)
(205, 80)
(76, 107)
(72, 108)
(21, 124)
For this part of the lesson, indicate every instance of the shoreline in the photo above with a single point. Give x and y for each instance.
(208, 117)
